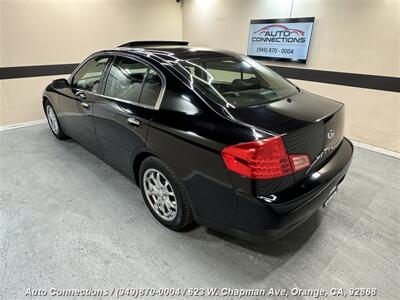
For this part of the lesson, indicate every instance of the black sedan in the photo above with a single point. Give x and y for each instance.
(209, 136)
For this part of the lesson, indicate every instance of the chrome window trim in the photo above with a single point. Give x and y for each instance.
(133, 57)
(122, 100)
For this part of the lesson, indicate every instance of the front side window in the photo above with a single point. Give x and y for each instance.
(88, 76)
(238, 81)
(125, 79)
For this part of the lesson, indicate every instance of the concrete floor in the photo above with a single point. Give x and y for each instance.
(68, 220)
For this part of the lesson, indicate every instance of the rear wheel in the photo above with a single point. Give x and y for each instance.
(164, 194)
(54, 124)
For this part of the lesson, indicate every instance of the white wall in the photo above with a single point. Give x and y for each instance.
(42, 32)
(66, 31)
(355, 36)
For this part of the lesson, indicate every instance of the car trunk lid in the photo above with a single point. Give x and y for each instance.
(309, 124)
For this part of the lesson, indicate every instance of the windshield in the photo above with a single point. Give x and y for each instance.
(238, 81)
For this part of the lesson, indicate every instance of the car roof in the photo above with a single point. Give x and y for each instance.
(169, 51)
(177, 52)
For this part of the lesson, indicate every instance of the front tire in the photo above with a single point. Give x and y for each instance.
(164, 194)
(52, 119)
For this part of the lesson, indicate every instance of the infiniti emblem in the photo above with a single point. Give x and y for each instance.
(331, 134)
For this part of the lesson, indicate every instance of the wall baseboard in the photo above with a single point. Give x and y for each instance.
(356, 143)
(377, 149)
(21, 125)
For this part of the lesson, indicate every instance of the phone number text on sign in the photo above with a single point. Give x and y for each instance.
(274, 50)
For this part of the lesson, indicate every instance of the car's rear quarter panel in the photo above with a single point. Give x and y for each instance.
(201, 170)
(190, 142)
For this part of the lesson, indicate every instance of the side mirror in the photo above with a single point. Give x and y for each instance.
(60, 84)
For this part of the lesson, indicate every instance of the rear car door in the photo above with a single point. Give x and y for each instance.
(124, 109)
(77, 104)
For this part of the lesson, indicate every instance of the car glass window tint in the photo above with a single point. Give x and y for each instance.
(88, 76)
(151, 88)
(227, 71)
(125, 79)
(238, 81)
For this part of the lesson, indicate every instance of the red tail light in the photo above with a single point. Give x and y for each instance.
(263, 159)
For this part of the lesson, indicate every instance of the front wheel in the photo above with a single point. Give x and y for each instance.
(164, 194)
(54, 124)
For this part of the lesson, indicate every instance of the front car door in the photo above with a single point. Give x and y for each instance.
(76, 105)
(124, 109)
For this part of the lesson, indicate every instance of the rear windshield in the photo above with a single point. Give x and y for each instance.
(238, 81)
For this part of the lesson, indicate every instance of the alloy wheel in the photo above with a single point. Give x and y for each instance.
(160, 194)
(52, 119)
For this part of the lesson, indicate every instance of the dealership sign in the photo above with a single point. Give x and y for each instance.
(280, 39)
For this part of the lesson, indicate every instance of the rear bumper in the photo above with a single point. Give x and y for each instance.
(259, 221)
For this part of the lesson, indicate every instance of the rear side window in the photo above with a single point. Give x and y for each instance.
(226, 71)
(237, 81)
(151, 88)
(125, 79)
(88, 76)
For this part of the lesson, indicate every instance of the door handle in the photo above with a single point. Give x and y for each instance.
(133, 121)
(80, 95)
(85, 104)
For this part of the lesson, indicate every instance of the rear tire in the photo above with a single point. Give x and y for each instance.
(52, 119)
(165, 194)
